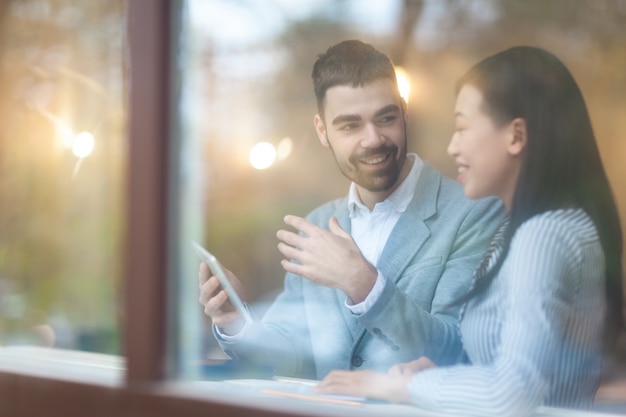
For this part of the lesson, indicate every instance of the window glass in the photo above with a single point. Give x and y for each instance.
(249, 151)
(62, 153)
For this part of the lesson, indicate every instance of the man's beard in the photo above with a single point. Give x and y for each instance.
(374, 181)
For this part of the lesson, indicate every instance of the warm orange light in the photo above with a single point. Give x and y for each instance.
(83, 144)
(284, 148)
(404, 83)
(262, 155)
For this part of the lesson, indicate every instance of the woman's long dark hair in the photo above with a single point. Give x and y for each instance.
(561, 165)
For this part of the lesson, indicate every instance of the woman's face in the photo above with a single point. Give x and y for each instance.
(487, 155)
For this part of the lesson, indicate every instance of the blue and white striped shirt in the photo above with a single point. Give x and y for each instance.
(534, 337)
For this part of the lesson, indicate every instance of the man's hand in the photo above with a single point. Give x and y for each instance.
(327, 257)
(367, 384)
(215, 300)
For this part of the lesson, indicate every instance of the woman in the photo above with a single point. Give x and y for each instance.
(547, 296)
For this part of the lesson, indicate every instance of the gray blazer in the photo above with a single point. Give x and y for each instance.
(428, 262)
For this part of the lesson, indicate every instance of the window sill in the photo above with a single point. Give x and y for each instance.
(38, 381)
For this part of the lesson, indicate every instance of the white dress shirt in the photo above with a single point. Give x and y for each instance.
(371, 229)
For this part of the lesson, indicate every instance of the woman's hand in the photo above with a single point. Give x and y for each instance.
(369, 384)
(412, 368)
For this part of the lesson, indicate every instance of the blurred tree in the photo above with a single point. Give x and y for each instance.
(60, 221)
(408, 18)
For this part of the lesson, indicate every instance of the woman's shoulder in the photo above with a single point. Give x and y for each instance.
(565, 231)
(558, 243)
(567, 223)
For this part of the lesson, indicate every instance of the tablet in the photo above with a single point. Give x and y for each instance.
(217, 270)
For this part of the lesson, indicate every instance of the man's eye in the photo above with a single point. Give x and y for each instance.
(348, 127)
(388, 119)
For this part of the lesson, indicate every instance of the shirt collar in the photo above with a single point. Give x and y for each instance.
(400, 198)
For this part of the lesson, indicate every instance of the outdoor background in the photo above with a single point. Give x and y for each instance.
(244, 70)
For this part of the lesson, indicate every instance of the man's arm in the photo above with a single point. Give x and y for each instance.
(281, 339)
(415, 326)
(281, 344)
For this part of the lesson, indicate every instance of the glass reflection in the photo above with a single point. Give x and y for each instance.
(62, 150)
(249, 84)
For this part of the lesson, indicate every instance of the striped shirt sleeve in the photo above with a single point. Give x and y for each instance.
(541, 279)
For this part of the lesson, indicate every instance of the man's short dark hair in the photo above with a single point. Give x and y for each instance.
(352, 63)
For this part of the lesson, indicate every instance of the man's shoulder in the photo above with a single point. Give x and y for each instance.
(322, 213)
(451, 194)
(449, 187)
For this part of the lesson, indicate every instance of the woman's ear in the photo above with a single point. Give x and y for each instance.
(320, 129)
(518, 136)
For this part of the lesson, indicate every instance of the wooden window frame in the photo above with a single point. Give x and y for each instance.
(142, 390)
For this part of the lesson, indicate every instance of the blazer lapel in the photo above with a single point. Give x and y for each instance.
(407, 237)
(411, 231)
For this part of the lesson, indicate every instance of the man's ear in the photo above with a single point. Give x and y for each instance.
(518, 137)
(320, 129)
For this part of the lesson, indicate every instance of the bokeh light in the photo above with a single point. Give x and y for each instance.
(262, 155)
(284, 148)
(83, 144)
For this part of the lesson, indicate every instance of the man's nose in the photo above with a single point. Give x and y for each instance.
(372, 137)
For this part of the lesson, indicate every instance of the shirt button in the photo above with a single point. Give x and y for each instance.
(357, 361)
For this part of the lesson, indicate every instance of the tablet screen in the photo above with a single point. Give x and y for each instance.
(217, 270)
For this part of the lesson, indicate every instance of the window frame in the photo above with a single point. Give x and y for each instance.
(142, 390)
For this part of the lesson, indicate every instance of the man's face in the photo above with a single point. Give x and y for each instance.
(365, 128)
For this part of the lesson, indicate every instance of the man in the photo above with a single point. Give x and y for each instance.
(371, 278)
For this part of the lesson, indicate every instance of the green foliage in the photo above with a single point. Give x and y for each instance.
(61, 217)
